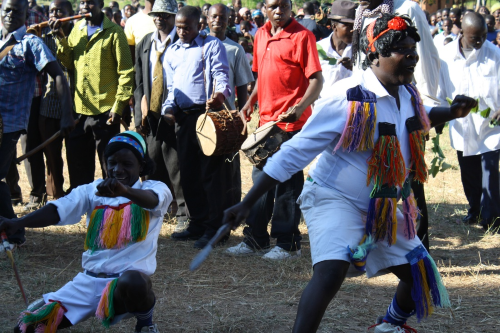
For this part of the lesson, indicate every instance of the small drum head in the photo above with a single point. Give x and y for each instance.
(257, 136)
(206, 134)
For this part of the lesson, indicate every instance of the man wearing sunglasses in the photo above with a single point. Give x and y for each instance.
(150, 93)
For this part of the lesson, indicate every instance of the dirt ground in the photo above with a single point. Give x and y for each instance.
(252, 295)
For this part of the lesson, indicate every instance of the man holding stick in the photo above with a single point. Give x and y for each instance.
(22, 56)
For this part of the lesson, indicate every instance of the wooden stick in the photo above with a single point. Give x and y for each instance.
(65, 19)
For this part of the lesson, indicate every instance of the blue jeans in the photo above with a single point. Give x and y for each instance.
(7, 152)
(480, 178)
(279, 206)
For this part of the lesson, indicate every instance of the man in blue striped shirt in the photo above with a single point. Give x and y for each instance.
(22, 56)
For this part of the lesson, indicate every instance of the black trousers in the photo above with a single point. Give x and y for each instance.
(35, 165)
(162, 149)
(7, 154)
(53, 156)
(205, 179)
(90, 134)
(423, 221)
(480, 179)
(279, 206)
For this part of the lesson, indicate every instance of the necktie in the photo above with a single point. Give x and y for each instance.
(155, 100)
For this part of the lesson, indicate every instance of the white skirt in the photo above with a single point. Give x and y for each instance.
(334, 223)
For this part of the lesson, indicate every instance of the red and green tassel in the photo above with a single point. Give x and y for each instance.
(105, 308)
(45, 319)
(417, 149)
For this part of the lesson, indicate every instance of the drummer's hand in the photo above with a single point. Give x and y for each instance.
(235, 215)
(56, 27)
(169, 116)
(292, 115)
(216, 102)
(246, 112)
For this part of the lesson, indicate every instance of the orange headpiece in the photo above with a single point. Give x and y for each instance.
(397, 23)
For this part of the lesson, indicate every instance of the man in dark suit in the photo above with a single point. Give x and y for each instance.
(151, 92)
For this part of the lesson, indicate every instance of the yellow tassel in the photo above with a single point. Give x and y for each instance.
(425, 287)
(114, 229)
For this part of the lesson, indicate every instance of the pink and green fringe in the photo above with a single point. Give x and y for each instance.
(45, 319)
(105, 308)
(428, 290)
(116, 227)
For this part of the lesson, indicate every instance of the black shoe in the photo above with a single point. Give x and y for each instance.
(185, 235)
(203, 241)
(470, 219)
(16, 201)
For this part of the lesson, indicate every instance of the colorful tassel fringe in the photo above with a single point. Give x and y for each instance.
(47, 318)
(105, 308)
(381, 221)
(417, 149)
(418, 106)
(410, 212)
(115, 227)
(386, 165)
(428, 290)
(359, 254)
(359, 129)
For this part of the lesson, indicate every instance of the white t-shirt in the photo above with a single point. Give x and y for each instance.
(140, 256)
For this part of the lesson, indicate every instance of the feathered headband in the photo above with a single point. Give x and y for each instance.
(397, 23)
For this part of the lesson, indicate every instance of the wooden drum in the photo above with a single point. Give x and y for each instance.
(220, 133)
(263, 143)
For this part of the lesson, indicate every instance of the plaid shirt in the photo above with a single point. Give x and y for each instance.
(50, 106)
(17, 77)
(36, 18)
(104, 73)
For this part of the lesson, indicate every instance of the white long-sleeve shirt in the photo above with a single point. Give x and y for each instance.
(140, 256)
(427, 70)
(343, 171)
(439, 41)
(332, 73)
(478, 76)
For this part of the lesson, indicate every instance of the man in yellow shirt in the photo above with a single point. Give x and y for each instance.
(139, 26)
(97, 51)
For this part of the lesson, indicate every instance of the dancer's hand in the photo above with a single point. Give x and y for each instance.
(111, 188)
(461, 106)
(235, 215)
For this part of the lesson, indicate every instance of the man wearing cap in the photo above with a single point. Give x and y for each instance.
(150, 93)
(308, 21)
(289, 81)
(335, 51)
(139, 25)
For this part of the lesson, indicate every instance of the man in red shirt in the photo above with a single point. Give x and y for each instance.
(289, 80)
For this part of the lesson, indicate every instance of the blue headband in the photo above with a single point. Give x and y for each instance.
(257, 13)
(138, 143)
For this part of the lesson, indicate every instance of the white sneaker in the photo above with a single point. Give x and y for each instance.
(242, 249)
(149, 329)
(389, 328)
(277, 253)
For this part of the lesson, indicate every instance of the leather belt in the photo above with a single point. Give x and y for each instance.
(102, 275)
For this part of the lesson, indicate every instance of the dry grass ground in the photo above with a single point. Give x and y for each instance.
(251, 295)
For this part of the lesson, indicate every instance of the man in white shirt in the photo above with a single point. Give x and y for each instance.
(240, 75)
(336, 200)
(474, 70)
(439, 38)
(335, 51)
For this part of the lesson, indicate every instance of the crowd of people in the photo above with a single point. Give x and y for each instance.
(356, 87)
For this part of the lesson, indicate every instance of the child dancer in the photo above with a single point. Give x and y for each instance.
(124, 218)
(370, 131)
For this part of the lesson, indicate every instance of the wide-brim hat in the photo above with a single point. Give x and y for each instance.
(343, 11)
(164, 6)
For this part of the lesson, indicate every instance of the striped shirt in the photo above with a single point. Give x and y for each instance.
(50, 106)
(17, 77)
